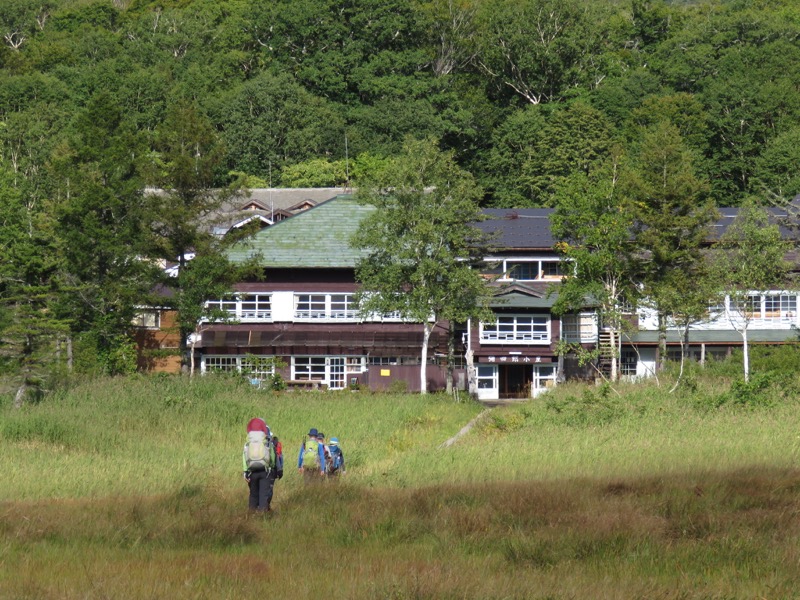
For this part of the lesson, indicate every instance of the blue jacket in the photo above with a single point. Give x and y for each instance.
(321, 452)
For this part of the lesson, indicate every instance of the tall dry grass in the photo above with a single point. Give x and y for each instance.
(695, 535)
(131, 488)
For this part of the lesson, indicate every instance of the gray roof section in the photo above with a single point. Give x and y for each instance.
(523, 228)
(316, 238)
(529, 228)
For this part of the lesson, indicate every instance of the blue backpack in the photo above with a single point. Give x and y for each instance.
(336, 458)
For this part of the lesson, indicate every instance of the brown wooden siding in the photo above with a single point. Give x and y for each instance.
(157, 349)
(354, 339)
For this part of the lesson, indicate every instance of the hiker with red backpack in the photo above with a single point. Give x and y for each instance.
(311, 460)
(258, 461)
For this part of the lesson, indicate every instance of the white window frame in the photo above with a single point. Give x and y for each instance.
(628, 363)
(254, 306)
(544, 378)
(505, 268)
(512, 329)
(332, 371)
(247, 307)
(487, 382)
(315, 306)
(579, 327)
(779, 307)
(239, 363)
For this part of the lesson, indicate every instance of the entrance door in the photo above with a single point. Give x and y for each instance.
(515, 381)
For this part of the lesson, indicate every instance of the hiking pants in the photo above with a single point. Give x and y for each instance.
(261, 483)
(311, 475)
(271, 488)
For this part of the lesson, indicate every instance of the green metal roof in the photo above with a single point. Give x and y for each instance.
(717, 336)
(317, 237)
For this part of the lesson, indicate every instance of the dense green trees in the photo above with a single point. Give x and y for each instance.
(284, 82)
(529, 95)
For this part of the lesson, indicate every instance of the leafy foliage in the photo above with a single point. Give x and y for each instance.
(421, 244)
(529, 95)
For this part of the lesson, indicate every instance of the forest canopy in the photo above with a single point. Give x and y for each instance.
(525, 92)
(102, 99)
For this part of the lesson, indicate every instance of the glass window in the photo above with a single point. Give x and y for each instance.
(628, 361)
(383, 360)
(342, 306)
(308, 368)
(780, 305)
(149, 319)
(544, 378)
(551, 268)
(487, 377)
(256, 306)
(354, 364)
(717, 307)
(325, 306)
(221, 363)
(310, 306)
(578, 328)
(749, 306)
(509, 328)
(228, 305)
(260, 367)
(523, 271)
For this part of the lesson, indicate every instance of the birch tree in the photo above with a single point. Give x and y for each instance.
(749, 260)
(421, 244)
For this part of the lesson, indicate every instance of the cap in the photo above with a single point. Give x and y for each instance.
(256, 424)
(334, 442)
(313, 432)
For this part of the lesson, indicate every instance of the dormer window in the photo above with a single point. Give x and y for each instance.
(525, 269)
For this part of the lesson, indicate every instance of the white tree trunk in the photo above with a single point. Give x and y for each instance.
(423, 368)
(613, 335)
(746, 352)
(191, 357)
(19, 397)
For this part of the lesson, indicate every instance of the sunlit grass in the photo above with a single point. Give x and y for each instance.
(132, 488)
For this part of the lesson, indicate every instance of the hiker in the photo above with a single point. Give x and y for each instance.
(311, 461)
(277, 469)
(258, 459)
(336, 465)
(325, 451)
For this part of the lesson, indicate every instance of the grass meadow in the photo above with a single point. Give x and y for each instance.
(131, 488)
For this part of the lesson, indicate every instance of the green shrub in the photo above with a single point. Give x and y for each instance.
(398, 386)
(595, 407)
(758, 391)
